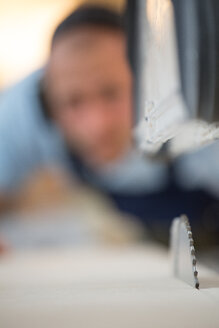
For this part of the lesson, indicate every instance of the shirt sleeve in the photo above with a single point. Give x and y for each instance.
(11, 159)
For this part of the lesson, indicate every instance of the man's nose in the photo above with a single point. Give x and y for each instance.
(98, 118)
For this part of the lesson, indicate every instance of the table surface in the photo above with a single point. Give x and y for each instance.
(102, 287)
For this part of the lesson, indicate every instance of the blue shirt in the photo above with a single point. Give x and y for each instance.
(28, 141)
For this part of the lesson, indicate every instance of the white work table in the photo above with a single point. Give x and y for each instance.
(102, 287)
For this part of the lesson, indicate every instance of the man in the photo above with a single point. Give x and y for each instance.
(75, 114)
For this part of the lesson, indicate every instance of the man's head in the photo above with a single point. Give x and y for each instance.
(88, 85)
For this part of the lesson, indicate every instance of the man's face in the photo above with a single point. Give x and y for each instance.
(89, 91)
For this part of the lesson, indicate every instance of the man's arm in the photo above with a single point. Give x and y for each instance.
(4, 203)
(40, 189)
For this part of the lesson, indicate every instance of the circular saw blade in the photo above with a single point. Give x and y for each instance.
(184, 263)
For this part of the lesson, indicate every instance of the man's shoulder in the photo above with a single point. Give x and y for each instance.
(21, 100)
(23, 90)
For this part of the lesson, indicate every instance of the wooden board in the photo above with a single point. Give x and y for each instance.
(102, 287)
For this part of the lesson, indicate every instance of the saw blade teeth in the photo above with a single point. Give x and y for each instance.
(192, 251)
(182, 226)
(194, 262)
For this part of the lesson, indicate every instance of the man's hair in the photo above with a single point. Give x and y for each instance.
(89, 15)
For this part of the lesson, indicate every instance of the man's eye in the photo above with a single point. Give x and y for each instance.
(75, 102)
(110, 94)
(72, 103)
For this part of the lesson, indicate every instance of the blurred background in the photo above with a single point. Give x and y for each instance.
(26, 28)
